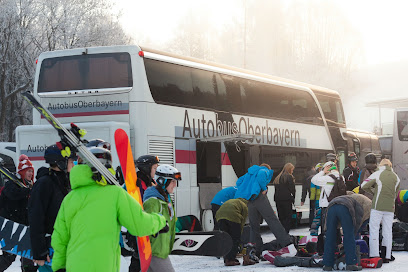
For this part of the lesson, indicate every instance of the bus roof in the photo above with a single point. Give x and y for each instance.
(314, 88)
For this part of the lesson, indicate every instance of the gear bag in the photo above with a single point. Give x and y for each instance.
(339, 187)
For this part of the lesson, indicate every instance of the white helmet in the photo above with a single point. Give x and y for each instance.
(331, 164)
(166, 173)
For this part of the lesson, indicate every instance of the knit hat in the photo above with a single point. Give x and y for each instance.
(23, 165)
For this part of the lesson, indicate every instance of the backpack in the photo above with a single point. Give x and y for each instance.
(339, 187)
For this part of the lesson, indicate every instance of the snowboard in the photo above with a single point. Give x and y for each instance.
(15, 239)
(188, 223)
(203, 243)
(125, 155)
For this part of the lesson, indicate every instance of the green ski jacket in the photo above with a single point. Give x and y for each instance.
(87, 228)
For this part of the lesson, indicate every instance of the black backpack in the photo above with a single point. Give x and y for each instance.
(339, 187)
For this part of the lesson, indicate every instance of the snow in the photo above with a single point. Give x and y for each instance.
(212, 264)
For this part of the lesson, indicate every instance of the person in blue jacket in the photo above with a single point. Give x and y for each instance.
(253, 187)
(222, 196)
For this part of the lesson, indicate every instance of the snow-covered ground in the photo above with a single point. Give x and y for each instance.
(212, 264)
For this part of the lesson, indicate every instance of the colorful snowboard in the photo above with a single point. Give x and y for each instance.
(15, 239)
(188, 223)
(211, 243)
(125, 155)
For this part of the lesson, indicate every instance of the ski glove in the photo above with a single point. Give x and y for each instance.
(165, 229)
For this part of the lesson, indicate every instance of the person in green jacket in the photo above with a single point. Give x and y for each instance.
(86, 231)
(384, 184)
(231, 217)
(156, 199)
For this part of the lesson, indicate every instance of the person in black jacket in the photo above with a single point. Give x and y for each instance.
(351, 172)
(285, 195)
(49, 190)
(14, 199)
(147, 165)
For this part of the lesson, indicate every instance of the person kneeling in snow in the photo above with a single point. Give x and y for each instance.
(86, 231)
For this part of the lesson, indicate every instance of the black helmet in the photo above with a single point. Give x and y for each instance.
(352, 157)
(99, 143)
(53, 156)
(331, 157)
(145, 162)
(370, 158)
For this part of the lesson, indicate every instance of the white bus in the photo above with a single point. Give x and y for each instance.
(210, 121)
(400, 146)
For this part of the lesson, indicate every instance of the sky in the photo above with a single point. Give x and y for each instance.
(382, 25)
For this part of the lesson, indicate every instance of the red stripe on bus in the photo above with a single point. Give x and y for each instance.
(36, 158)
(186, 156)
(74, 114)
(225, 159)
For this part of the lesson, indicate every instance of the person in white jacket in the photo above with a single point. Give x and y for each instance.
(326, 182)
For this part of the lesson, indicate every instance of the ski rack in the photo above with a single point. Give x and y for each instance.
(72, 138)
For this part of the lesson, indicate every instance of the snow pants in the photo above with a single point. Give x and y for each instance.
(377, 218)
(262, 207)
(285, 213)
(234, 230)
(339, 213)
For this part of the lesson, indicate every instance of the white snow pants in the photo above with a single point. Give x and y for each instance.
(377, 218)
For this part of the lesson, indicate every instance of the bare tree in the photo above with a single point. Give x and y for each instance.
(29, 27)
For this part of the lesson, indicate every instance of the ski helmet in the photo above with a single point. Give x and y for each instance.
(102, 154)
(370, 158)
(165, 174)
(99, 143)
(352, 157)
(145, 162)
(331, 157)
(53, 156)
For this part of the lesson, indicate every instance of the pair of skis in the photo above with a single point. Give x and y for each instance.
(71, 142)
(11, 176)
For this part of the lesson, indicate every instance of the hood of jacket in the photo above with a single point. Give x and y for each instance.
(42, 171)
(81, 175)
(152, 192)
(253, 182)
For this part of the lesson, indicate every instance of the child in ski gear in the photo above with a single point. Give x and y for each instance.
(348, 212)
(253, 187)
(285, 195)
(86, 231)
(49, 190)
(220, 198)
(385, 184)
(14, 199)
(157, 199)
(231, 217)
(147, 165)
(351, 172)
(369, 168)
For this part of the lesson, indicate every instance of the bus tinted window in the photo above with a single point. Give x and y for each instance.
(402, 125)
(332, 109)
(195, 88)
(83, 72)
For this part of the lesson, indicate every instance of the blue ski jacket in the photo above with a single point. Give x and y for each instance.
(224, 195)
(252, 183)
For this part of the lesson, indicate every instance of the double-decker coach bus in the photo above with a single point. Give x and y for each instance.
(210, 121)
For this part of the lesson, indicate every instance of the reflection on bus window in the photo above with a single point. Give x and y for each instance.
(402, 125)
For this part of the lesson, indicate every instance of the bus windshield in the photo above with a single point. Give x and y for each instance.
(402, 125)
(85, 72)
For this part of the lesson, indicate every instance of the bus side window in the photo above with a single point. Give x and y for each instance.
(356, 147)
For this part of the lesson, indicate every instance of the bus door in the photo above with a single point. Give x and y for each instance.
(208, 178)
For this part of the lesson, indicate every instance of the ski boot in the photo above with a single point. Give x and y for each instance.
(250, 257)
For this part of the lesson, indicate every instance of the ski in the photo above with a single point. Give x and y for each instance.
(126, 161)
(11, 176)
(71, 139)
